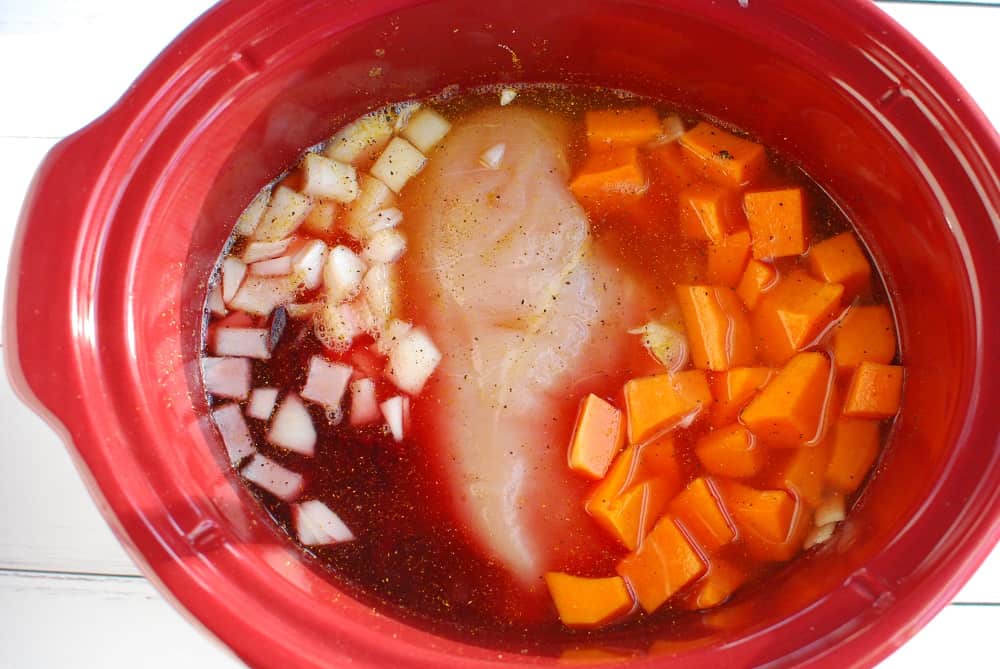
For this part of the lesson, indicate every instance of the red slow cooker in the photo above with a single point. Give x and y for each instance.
(134, 210)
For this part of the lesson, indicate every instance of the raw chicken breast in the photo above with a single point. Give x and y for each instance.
(529, 317)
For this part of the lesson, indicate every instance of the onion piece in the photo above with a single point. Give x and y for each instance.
(507, 96)
(233, 272)
(329, 179)
(385, 246)
(262, 402)
(830, 511)
(361, 140)
(396, 411)
(234, 431)
(426, 129)
(285, 212)
(308, 263)
(336, 325)
(268, 475)
(374, 196)
(394, 332)
(250, 218)
(280, 266)
(404, 112)
(666, 344)
(412, 361)
(257, 251)
(380, 289)
(301, 311)
(342, 274)
(671, 129)
(241, 342)
(321, 218)
(292, 427)
(316, 525)
(260, 295)
(493, 156)
(226, 377)
(384, 219)
(215, 304)
(364, 404)
(326, 381)
(819, 535)
(400, 161)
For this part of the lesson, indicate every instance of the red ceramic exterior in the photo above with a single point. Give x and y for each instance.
(133, 210)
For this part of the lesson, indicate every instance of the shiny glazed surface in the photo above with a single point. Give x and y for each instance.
(108, 346)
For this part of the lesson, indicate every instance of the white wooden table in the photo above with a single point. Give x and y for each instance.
(69, 596)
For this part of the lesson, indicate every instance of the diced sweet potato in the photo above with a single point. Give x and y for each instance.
(615, 128)
(757, 278)
(803, 472)
(715, 587)
(598, 436)
(707, 211)
(588, 602)
(610, 178)
(730, 451)
(777, 220)
(732, 390)
(793, 314)
(787, 411)
(717, 327)
(728, 259)
(764, 519)
(854, 446)
(655, 403)
(664, 563)
(670, 168)
(698, 510)
(866, 334)
(840, 259)
(723, 156)
(874, 391)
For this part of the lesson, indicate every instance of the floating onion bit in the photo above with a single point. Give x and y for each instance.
(507, 96)
(819, 535)
(667, 344)
(493, 156)
(830, 511)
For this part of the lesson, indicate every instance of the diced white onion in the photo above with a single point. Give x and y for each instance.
(250, 218)
(362, 139)
(412, 361)
(308, 264)
(272, 477)
(301, 311)
(280, 266)
(241, 342)
(285, 212)
(493, 156)
(234, 431)
(233, 272)
(507, 96)
(384, 219)
(665, 343)
(395, 410)
(831, 510)
(819, 535)
(257, 251)
(317, 525)
(329, 179)
(385, 246)
(380, 289)
(400, 161)
(260, 295)
(326, 381)
(226, 377)
(342, 274)
(671, 130)
(336, 325)
(262, 401)
(374, 196)
(404, 112)
(215, 303)
(364, 404)
(426, 129)
(321, 218)
(395, 330)
(292, 427)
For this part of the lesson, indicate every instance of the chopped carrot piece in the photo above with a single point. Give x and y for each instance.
(757, 278)
(854, 447)
(866, 334)
(724, 157)
(730, 451)
(874, 391)
(715, 587)
(614, 128)
(664, 563)
(732, 390)
(655, 403)
(588, 602)
(803, 473)
(708, 211)
(717, 327)
(698, 510)
(777, 220)
(840, 259)
(599, 434)
(793, 314)
(728, 259)
(610, 177)
(787, 411)
(764, 519)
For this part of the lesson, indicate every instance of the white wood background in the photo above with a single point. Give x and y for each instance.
(69, 596)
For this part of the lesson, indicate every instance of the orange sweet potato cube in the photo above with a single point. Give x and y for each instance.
(624, 127)
(757, 278)
(588, 602)
(866, 334)
(777, 220)
(697, 509)
(840, 259)
(670, 169)
(874, 391)
(854, 445)
(793, 314)
(732, 390)
(599, 435)
(715, 587)
(727, 260)
(707, 211)
(730, 451)
(655, 403)
(764, 519)
(610, 178)
(664, 564)
(787, 412)
(803, 472)
(717, 327)
(723, 156)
